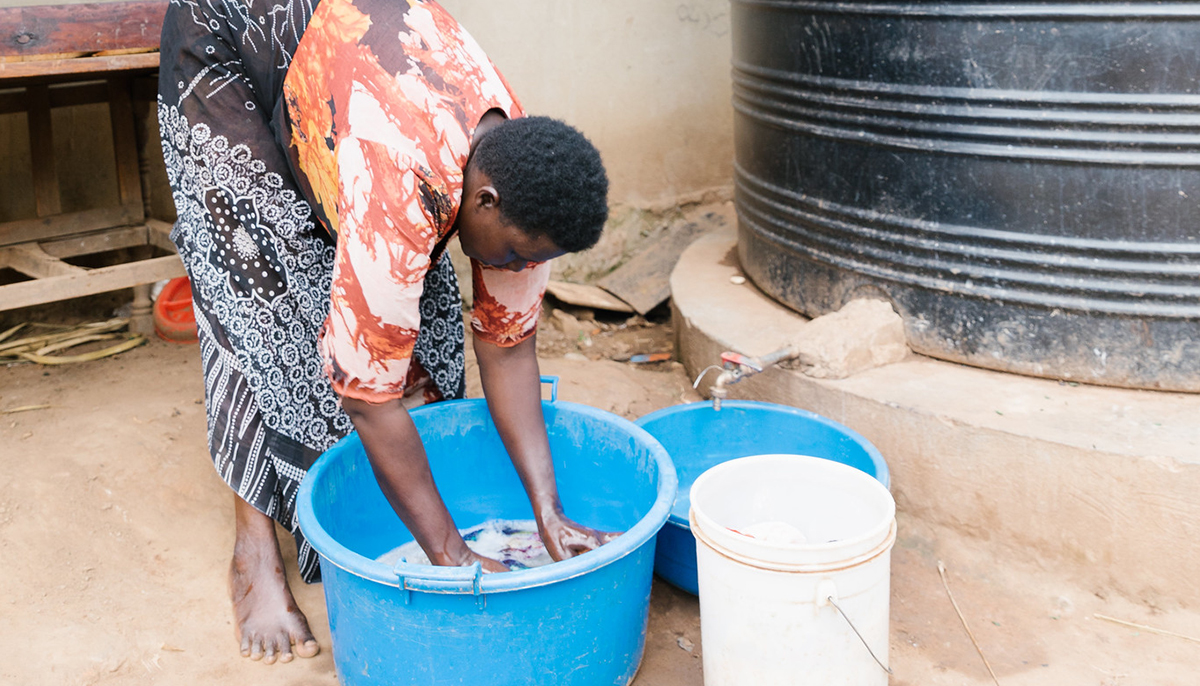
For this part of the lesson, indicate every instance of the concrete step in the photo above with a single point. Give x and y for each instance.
(1099, 484)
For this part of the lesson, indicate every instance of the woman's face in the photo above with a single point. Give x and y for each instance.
(485, 236)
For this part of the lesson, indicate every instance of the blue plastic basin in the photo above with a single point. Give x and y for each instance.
(578, 622)
(698, 437)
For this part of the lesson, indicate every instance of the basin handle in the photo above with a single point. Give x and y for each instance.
(553, 381)
(432, 579)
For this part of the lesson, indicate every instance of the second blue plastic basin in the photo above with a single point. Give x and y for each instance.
(698, 437)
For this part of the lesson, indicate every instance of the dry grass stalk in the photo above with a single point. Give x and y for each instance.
(25, 408)
(129, 344)
(11, 331)
(31, 344)
(1143, 627)
(72, 342)
(38, 348)
(961, 618)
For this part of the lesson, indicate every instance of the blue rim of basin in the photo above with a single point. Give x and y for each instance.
(390, 575)
(881, 469)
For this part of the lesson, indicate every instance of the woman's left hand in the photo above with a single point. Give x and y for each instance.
(510, 379)
(565, 539)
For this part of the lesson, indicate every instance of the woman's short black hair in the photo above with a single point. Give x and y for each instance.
(550, 179)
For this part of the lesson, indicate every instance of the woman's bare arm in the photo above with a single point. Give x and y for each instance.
(401, 467)
(512, 386)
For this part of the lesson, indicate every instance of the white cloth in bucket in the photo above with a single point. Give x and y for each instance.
(514, 542)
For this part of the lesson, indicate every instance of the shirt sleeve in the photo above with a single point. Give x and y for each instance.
(385, 238)
(507, 304)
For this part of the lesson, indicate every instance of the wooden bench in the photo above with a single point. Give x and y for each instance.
(68, 55)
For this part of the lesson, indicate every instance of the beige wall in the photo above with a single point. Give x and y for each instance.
(646, 80)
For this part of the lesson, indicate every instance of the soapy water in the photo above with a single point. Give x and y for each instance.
(514, 542)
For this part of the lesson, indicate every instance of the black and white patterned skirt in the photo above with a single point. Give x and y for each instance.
(260, 265)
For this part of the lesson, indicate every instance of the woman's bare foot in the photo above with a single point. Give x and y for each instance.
(268, 621)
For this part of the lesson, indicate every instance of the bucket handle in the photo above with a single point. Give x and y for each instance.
(826, 590)
(441, 579)
(553, 381)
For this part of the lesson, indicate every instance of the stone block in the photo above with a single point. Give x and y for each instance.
(864, 334)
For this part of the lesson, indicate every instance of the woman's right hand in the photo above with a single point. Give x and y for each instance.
(489, 565)
(401, 468)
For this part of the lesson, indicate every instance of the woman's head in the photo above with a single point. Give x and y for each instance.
(548, 180)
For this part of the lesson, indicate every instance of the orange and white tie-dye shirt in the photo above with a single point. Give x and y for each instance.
(383, 97)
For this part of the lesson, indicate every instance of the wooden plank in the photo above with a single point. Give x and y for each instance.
(85, 221)
(99, 241)
(75, 94)
(49, 29)
(63, 95)
(125, 147)
(645, 280)
(41, 153)
(92, 281)
(31, 260)
(55, 56)
(153, 232)
(587, 296)
(160, 235)
(61, 69)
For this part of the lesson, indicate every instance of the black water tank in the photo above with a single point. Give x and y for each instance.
(1022, 181)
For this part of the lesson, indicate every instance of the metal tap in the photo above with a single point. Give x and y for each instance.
(735, 367)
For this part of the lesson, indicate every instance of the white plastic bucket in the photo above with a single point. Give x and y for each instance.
(769, 610)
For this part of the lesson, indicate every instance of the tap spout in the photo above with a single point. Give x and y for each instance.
(718, 390)
(736, 367)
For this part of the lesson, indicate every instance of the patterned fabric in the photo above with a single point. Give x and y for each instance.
(261, 265)
(260, 465)
(382, 99)
(245, 233)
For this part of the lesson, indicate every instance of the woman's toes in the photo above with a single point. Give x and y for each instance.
(256, 648)
(307, 648)
(285, 649)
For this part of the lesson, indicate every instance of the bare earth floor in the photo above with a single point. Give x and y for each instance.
(115, 535)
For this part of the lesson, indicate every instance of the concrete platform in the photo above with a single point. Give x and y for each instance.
(1099, 484)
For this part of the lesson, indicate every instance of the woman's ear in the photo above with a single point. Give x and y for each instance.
(487, 197)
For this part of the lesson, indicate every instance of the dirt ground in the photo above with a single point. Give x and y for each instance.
(115, 534)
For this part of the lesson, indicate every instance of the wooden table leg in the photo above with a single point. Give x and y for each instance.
(141, 316)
